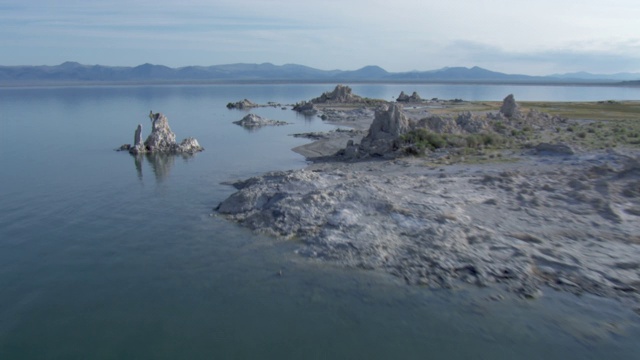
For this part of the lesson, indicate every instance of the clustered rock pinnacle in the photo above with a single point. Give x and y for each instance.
(406, 98)
(341, 94)
(161, 139)
(385, 136)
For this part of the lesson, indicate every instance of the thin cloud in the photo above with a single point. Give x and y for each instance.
(509, 35)
(616, 58)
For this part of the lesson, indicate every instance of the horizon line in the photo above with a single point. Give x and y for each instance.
(330, 70)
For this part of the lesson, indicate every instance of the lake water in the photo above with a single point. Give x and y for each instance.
(106, 257)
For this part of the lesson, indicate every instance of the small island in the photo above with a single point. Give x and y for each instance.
(253, 121)
(161, 140)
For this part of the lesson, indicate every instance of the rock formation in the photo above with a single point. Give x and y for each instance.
(341, 94)
(161, 139)
(509, 107)
(391, 122)
(161, 136)
(306, 108)
(463, 123)
(243, 104)
(406, 98)
(137, 137)
(388, 125)
(252, 121)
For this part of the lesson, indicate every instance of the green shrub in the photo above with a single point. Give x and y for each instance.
(484, 139)
(424, 139)
(499, 126)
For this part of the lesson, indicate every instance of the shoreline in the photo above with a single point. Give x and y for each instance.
(520, 221)
(53, 84)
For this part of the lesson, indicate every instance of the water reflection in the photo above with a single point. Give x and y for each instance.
(251, 129)
(161, 164)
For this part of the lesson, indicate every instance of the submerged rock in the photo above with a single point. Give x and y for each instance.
(161, 139)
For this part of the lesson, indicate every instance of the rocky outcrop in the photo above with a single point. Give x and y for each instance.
(137, 137)
(515, 226)
(524, 121)
(406, 98)
(341, 94)
(402, 97)
(463, 123)
(189, 145)
(252, 121)
(388, 125)
(306, 108)
(161, 139)
(352, 117)
(243, 104)
(509, 107)
(391, 122)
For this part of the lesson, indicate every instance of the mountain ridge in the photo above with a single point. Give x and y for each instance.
(71, 71)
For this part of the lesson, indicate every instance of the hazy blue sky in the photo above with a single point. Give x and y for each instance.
(514, 36)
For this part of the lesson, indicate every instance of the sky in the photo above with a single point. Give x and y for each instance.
(539, 37)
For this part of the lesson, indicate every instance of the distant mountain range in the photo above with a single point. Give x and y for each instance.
(73, 72)
(609, 77)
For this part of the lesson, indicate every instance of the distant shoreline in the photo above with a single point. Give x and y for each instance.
(35, 83)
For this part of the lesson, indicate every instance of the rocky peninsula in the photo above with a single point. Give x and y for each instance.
(514, 198)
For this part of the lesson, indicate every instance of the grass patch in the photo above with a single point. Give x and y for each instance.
(600, 110)
(595, 110)
(592, 125)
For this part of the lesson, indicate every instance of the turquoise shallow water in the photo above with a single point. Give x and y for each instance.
(103, 257)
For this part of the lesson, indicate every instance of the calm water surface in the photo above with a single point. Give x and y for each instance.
(106, 257)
